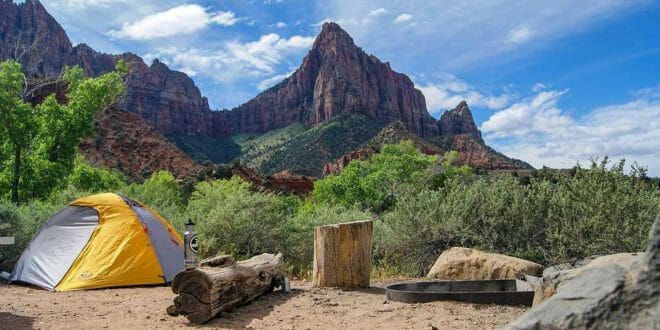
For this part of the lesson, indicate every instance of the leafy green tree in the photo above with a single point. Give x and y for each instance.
(19, 123)
(367, 184)
(160, 189)
(88, 178)
(39, 142)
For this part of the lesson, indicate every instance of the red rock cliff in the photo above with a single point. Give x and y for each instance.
(337, 77)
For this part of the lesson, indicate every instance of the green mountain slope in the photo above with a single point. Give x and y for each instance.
(295, 148)
(305, 151)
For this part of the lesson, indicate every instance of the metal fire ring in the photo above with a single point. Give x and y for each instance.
(501, 292)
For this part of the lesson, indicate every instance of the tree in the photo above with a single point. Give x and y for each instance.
(367, 184)
(18, 120)
(39, 142)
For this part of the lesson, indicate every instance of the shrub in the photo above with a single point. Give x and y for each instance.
(232, 219)
(94, 179)
(600, 211)
(593, 211)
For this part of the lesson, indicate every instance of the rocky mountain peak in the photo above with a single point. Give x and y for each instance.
(29, 34)
(459, 121)
(337, 77)
(333, 38)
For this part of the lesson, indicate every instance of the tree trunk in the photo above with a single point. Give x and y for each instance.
(206, 291)
(342, 255)
(15, 180)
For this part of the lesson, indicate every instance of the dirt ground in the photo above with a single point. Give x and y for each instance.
(303, 308)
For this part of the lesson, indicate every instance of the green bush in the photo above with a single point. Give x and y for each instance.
(594, 211)
(232, 219)
(600, 211)
(94, 179)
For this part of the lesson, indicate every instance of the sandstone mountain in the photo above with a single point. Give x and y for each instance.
(125, 142)
(336, 80)
(336, 77)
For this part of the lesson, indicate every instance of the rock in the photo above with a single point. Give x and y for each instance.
(611, 292)
(29, 34)
(338, 165)
(459, 121)
(459, 263)
(168, 100)
(555, 276)
(337, 77)
(127, 143)
(276, 183)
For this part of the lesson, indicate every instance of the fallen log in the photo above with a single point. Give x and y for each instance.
(206, 291)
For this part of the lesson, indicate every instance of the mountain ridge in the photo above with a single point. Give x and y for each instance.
(336, 78)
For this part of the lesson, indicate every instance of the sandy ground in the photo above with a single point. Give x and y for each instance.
(303, 308)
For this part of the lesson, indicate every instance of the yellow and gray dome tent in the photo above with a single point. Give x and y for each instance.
(101, 241)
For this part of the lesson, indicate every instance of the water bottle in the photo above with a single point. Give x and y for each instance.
(190, 249)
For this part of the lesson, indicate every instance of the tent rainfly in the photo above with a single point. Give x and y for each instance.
(100, 241)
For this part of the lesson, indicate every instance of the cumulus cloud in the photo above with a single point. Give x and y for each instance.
(403, 18)
(520, 34)
(280, 25)
(224, 18)
(234, 60)
(537, 130)
(444, 95)
(378, 12)
(177, 20)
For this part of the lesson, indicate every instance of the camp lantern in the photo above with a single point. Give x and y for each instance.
(190, 242)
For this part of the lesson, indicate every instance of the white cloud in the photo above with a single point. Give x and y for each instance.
(403, 18)
(234, 61)
(177, 20)
(520, 34)
(224, 18)
(464, 34)
(538, 87)
(269, 82)
(378, 12)
(445, 95)
(280, 25)
(538, 114)
(537, 130)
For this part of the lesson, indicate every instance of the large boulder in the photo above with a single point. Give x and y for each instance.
(556, 276)
(459, 263)
(613, 292)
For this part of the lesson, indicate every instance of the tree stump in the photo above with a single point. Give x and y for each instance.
(342, 255)
(221, 284)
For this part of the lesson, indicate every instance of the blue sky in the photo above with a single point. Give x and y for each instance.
(550, 82)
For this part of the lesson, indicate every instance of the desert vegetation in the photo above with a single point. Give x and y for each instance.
(421, 205)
